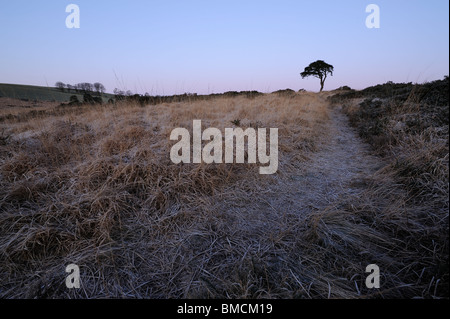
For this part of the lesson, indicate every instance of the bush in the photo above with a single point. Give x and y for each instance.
(89, 99)
(236, 122)
(286, 92)
(74, 100)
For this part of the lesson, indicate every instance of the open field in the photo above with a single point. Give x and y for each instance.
(94, 186)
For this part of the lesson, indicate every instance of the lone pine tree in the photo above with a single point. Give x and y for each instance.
(318, 69)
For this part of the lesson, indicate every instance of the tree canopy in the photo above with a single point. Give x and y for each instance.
(319, 69)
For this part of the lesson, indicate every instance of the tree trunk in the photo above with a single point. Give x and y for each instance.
(322, 81)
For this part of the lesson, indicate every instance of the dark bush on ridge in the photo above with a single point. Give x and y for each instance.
(74, 100)
(89, 99)
(286, 92)
(154, 100)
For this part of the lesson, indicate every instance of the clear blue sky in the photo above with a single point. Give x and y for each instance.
(171, 47)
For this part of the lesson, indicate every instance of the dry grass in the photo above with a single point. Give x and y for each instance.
(412, 135)
(95, 186)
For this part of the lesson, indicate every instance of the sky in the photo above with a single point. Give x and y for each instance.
(171, 47)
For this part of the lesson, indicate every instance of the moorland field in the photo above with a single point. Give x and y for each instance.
(362, 179)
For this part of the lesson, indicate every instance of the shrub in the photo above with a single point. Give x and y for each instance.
(89, 99)
(74, 100)
(286, 92)
(236, 122)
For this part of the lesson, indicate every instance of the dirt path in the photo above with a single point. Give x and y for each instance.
(339, 168)
(261, 231)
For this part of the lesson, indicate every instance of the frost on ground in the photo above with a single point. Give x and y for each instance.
(94, 186)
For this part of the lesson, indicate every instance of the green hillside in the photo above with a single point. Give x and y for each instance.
(40, 93)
